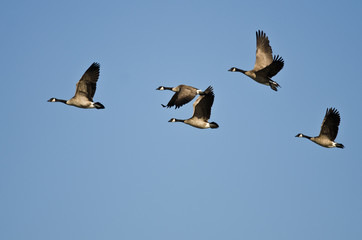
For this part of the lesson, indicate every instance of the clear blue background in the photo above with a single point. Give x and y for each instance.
(126, 173)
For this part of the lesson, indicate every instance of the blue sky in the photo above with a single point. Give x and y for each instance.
(126, 173)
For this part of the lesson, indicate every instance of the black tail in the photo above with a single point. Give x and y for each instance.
(339, 145)
(214, 125)
(98, 105)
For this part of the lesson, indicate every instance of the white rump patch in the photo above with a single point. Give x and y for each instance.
(91, 105)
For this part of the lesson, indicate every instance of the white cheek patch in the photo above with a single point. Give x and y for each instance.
(53, 100)
(162, 88)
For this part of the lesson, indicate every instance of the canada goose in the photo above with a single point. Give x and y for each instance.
(202, 111)
(266, 66)
(85, 89)
(183, 94)
(328, 131)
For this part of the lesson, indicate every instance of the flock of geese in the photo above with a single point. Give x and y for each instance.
(266, 66)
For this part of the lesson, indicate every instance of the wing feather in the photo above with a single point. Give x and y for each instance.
(203, 104)
(264, 53)
(330, 124)
(183, 96)
(271, 70)
(87, 85)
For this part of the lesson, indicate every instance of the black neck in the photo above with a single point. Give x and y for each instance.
(239, 70)
(167, 88)
(179, 120)
(61, 100)
(305, 136)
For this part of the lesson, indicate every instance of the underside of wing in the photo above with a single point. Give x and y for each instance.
(86, 89)
(203, 104)
(330, 124)
(183, 96)
(264, 53)
(87, 85)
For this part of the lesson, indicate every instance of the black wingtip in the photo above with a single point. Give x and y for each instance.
(278, 58)
(333, 110)
(165, 106)
(209, 90)
(95, 65)
(260, 33)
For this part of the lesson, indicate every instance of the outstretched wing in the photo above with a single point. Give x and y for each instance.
(271, 70)
(87, 85)
(180, 98)
(330, 124)
(203, 104)
(264, 53)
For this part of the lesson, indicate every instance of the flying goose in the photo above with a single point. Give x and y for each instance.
(328, 131)
(266, 66)
(85, 89)
(202, 111)
(183, 94)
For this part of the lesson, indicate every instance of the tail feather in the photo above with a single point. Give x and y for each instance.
(339, 145)
(214, 125)
(98, 105)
